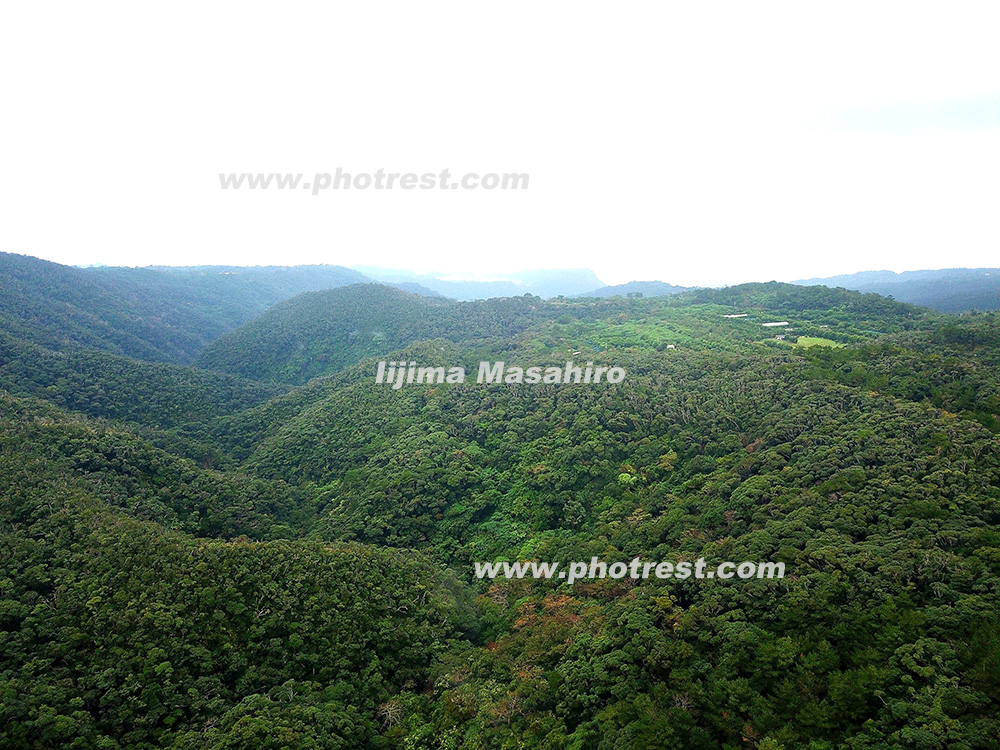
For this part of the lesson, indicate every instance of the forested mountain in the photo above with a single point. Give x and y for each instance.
(322, 332)
(122, 633)
(949, 289)
(158, 314)
(106, 385)
(195, 558)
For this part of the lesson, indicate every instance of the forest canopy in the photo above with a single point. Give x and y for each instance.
(274, 550)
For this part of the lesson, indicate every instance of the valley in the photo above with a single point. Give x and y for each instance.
(272, 549)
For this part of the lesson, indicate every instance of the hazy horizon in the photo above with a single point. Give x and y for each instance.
(465, 274)
(699, 145)
(462, 275)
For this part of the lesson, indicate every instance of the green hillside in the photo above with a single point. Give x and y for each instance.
(201, 558)
(120, 633)
(319, 333)
(153, 314)
(114, 387)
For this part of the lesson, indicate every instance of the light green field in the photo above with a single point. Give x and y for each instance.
(807, 341)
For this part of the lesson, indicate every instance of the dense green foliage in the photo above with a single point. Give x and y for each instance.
(154, 314)
(322, 332)
(144, 481)
(119, 634)
(113, 387)
(194, 560)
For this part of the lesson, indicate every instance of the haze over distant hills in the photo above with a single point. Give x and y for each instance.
(569, 282)
(947, 289)
(643, 288)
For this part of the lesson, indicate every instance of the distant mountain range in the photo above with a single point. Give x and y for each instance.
(171, 314)
(568, 282)
(639, 288)
(948, 290)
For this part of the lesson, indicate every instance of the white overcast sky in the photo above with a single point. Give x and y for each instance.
(696, 143)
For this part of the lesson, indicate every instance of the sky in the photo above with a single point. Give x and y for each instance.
(695, 143)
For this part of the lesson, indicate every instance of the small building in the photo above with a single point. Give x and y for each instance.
(775, 324)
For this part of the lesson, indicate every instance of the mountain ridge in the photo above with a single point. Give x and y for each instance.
(948, 289)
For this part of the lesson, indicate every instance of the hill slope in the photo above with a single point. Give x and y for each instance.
(145, 313)
(298, 597)
(949, 290)
(120, 633)
(319, 333)
(110, 386)
(834, 462)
